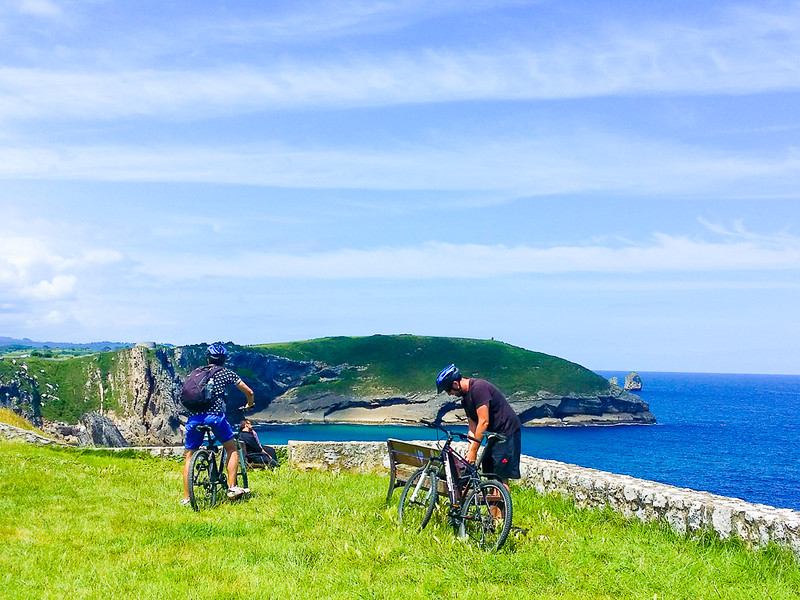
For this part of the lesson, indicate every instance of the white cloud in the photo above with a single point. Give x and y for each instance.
(58, 287)
(319, 20)
(39, 8)
(734, 58)
(54, 317)
(574, 161)
(43, 268)
(664, 254)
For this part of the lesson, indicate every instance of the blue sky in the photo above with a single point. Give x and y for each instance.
(616, 183)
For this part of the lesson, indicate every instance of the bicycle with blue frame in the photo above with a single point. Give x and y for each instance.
(479, 505)
(208, 475)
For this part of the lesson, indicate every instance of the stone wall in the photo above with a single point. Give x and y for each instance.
(15, 433)
(351, 457)
(684, 510)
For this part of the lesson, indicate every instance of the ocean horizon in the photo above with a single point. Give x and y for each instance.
(728, 434)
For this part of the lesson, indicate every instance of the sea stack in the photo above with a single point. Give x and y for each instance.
(633, 383)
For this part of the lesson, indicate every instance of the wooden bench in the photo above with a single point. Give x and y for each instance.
(404, 459)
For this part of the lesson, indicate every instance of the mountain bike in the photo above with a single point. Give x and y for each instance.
(208, 476)
(479, 505)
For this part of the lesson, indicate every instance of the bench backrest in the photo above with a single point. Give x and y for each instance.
(404, 459)
(407, 453)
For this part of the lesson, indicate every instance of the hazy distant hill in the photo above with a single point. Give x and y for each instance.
(96, 346)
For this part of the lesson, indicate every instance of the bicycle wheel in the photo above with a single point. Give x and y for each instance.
(486, 515)
(202, 484)
(418, 498)
(241, 473)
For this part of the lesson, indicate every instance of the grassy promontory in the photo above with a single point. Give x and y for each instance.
(409, 363)
(84, 525)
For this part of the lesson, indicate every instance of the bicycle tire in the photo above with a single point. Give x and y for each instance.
(486, 515)
(241, 472)
(418, 499)
(202, 484)
(241, 475)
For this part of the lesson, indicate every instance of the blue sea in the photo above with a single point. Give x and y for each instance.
(734, 435)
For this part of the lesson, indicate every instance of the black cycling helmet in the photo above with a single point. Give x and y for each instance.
(446, 377)
(217, 354)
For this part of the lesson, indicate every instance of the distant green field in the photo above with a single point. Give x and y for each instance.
(408, 363)
(88, 525)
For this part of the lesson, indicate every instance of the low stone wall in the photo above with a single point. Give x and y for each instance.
(684, 510)
(351, 457)
(15, 433)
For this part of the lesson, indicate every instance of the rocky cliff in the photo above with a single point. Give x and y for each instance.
(544, 409)
(138, 390)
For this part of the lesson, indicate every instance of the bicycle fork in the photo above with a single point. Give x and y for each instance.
(454, 512)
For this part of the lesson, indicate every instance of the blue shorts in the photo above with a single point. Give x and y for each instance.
(218, 423)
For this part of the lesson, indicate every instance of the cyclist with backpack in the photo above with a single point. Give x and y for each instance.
(487, 410)
(203, 396)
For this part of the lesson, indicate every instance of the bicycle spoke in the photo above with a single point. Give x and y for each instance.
(486, 516)
(202, 487)
(418, 499)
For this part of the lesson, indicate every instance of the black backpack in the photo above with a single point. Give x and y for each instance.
(198, 389)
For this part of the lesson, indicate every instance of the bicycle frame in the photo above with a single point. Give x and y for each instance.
(479, 505)
(212, 456)
(451, 460)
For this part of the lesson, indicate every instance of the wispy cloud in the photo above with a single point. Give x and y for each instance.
(749, 54)
(573, 162)
(312, 21)
(663, 254)
(38, 8)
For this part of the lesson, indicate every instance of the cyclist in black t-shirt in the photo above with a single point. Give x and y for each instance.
(487, 410)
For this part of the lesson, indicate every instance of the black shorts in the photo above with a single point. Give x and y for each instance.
(502, 458)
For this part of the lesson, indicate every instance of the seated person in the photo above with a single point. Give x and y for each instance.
(255, 453)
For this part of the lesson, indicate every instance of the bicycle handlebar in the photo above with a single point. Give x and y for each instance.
(450, 434)
(463, 436)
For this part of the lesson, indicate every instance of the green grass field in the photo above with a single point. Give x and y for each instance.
(84, 524)
(409, 363)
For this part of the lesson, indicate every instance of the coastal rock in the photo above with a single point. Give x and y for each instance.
(146, 386)
(615, 406)
(633, 383)
(97, 430)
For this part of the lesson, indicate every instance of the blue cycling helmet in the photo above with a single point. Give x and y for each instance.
(446, 377)
(217, 353)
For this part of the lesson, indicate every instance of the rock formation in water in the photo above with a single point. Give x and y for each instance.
(633, 383)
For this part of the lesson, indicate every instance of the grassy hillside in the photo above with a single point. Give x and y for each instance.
(94, 525)
(74, 383)
(408, 363)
